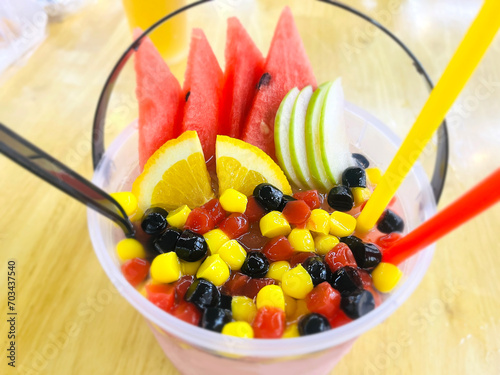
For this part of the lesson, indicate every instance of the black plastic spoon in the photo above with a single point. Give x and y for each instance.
(57, 174)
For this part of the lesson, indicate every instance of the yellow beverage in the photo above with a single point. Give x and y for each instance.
(171, 37)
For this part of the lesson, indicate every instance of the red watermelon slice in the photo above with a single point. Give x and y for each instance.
(287, 66)
(244, 67)
(203, 91)
(160, 100)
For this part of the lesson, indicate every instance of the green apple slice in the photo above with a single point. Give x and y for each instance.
(297, 139)
(281, 131)
(314, 159)
(333, 140)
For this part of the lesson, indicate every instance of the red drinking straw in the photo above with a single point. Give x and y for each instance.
(478, 199)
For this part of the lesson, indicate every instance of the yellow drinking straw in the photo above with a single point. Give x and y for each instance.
(453, 80)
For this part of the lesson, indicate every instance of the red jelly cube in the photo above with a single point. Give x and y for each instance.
(215, 210)
(135, 270)
(324, 300)
(366, 278)
(187, 312)
(161, 295)
(235, 225)
(253, 286)
(297, 212)
(199, 221)
(181, 286)
(254, 210)
(340, 256)
(388, 240)
(278, 248)
(299, 258)
(311, 197)
(339, 320)
(235, 285)
(269, 323)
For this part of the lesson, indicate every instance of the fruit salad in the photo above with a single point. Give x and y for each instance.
(245, 209)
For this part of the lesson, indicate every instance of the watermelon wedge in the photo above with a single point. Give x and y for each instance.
(287, 66)
(244, 67)
(202, 92)
(160, 100)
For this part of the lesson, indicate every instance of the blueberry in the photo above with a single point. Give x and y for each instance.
(255, 265)
(340, 198)
(286, 199)
(390, 222)
(268, 196)
(154, 221)
(191, 246)
(316, 269)
(357, 303)
(361, 160)
(215, 318)
(225, 301)
(166, 242)
(367, 256)
(346, 279)
(203, 294)
(354, 177)
(313, 323)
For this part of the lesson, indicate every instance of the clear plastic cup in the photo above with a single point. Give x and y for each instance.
(197, 351)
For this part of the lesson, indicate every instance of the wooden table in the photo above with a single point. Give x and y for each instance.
(71, 321)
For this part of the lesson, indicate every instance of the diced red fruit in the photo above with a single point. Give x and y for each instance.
(187, 312)
(388, 240)
(340, 256)
(299, 258)
(339, 320)
(269, 323)
(235, 225)
(278, 248)
(182, 285)
(253, 286)
(135, 270)
(215, 210)
(253, 239)
(254, 210)
(235, 285)
(393, 201)
(311, 197)
(324, 300)
(366, 278)
(161, 295)
(199, 221)
(297, 212)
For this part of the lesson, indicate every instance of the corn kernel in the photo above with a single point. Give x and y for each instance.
(214, 269)
(190, 268)
(360, 195)
(386, 276)
(233, 254)
(177, 218)
(127, 200)
(215, 239)
(166, 268)
(291, 331)
(238, 329)
(301, 240)
(319, 221)
(274, 224)
(297, 283)
(130, 248)
(243, 309)
(233, 201)
(324, 243)
(300, 310)
(342, 224)
(277, 269)
(271, 295)
(290, 306)
(374, 175)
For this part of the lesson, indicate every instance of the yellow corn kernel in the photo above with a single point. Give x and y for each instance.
(215, 239)
(130, 248)
(385, 277)
(243, 309)
(233, 254)
(374, 175)
(324, 243)
(127, 200)
(297, 283)
(214, 269)
(342, 224)
(233, 201)
(360, 195)
(277, 269)
(271, 295)
(291, 331)
(238, 329)
(177, 218)
(166, 268)
(190, 268)
(319, 221)
(274, 224)
(290, 306)
(300, 310)
(301, 240)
